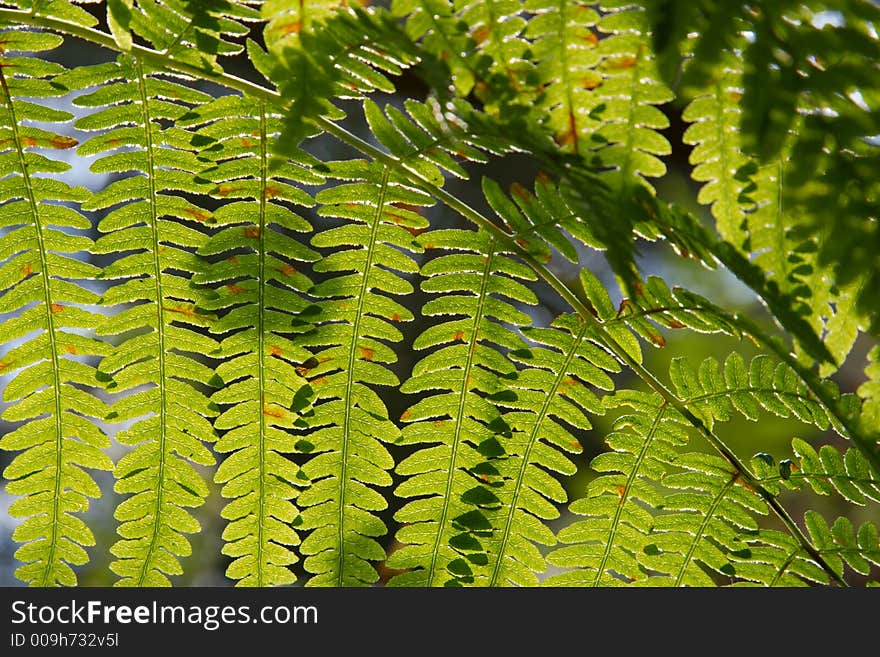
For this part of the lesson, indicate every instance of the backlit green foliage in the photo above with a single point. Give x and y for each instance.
(364, 366)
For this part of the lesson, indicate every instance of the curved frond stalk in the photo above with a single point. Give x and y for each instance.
(354, 317)
(48, 327)
(158, 360)
(461, 479)
(256, 288)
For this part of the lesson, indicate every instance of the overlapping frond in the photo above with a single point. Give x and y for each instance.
(256, 288)
(157, 368)
(366, 257)
(49, 320)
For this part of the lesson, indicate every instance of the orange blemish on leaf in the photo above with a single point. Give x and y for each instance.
(429, 246)
(275, 351)
(620, 62)
(404, 416)
(566, 137)
(625, 306)
(543, 177)
(481, 34)
(234, 289)
(69, 348)
(621, 490)
(272, 191)
(415, 232)
(247, 143)
(232, 260)
(658, 340)
(287, 270)
(458, 335)
(302, 370)
(321, 380)
(484, 477)
(522, 242)
(3, 365)
(294, 27)
(27, 270)
(114, 143)
(184, 309)
(198, 214)
(28, 142)
(518, 190)
(674, 323)
(394, 317)
(735, 96)
(366, 353)
(591, 38)
(571, 382)
(252, 232)
(62, 142)
(226, 190)
(56, 308)
(272, 412)
(575, 444)
(590, 82)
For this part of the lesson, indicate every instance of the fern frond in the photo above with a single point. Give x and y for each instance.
(825, 471)
(552, 397)
(840, 544)
(45, 297)
(154, 227)
(344, 56)
(257, 293)
(435, 27)
(63, 9)
(762, 386)
(606, 547)
(355, 317)
(869, 392)
(460, 478)
(703, 519)
(197, 33)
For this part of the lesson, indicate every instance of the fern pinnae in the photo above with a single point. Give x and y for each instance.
(565, 340)
(46, 478)
(258, 297)
(147, 225)
(349, 419)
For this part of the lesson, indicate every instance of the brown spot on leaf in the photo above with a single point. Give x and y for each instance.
(621, 490)
(293, 27)
(56, 308)
(591, 38)
(674, 323)
(62, 142)
(404, 416)
(272, 191)
(232, 260)
(27, 270)
(394, 317)
(458, 335)
(518, 190)
(590, 82)
(69, 348)
(274, 350)
(620, 62)
(226, 190)
(481, 34)
(273, 412)
(252, 231)
(287, 270)
(234, 289)
(658, 339)
(28, 142)
(198, 214)
(366, 353)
